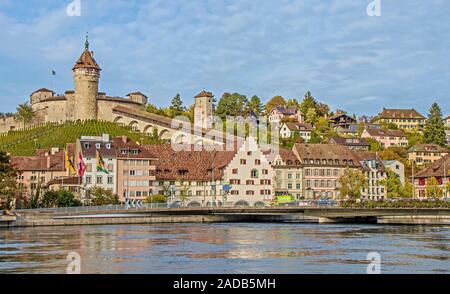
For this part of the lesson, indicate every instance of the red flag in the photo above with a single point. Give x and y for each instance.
(81, 165)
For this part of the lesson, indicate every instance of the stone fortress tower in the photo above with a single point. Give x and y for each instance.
(203, 110)
(86, 74)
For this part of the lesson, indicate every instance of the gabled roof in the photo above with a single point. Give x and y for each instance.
(324, 153)
(39, 163)
(292, 126)
(400, 113)
(428, 148)
(86, 60)
(436, 169)
(286, 110)
(349, 141)
(43, 90)
(385, 133)
(189, 165)
(137, 93)
(204, 94)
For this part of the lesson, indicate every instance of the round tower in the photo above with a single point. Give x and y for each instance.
(86, 74)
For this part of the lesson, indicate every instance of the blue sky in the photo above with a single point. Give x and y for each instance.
(286, 47)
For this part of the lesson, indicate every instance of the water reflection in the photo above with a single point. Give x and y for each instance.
(226, 248)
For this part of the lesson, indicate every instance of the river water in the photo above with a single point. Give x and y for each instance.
(226, 248)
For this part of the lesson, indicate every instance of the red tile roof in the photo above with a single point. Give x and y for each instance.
(325, 153)
(204, 94)
(436, 169)
(39, 163)
(189, 165)
(86, 61)
(400, 113)
(385, 133)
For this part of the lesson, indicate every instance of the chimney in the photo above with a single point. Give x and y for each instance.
(48, 162)
(124, 139)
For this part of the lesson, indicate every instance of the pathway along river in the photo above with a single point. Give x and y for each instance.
(226, 248)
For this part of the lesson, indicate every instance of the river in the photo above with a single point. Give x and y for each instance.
(226, 248)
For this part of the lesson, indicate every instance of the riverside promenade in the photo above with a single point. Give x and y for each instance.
(149, 215)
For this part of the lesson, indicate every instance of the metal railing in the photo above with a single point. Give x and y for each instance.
(146, 206)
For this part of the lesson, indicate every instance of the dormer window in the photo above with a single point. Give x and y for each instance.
(108, 146)
(97, 145)
(87, 145)
(124, 152)
(135, 151)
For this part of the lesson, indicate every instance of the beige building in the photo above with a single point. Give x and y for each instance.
(37, 171)
(323, 165)
(375, 172)
(290, 129)
(424, 154)
(288, 172)
(405, 119)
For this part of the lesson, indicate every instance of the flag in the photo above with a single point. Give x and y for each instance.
(70, 165)
(81, 165)
(101, 163)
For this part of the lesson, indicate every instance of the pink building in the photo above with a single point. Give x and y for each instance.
(387, 138)
(37, 171)
(282, 113)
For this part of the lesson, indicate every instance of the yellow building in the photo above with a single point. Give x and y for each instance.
(405, 119)
(423, 154)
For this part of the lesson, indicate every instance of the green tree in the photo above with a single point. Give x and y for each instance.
(292, 103)
(255, 105)
(407, 190)
(155, 110)
(25, 113)
(374, 145)
(415, 137)
(97, 196)
(352, 183)
(432, 189)
(322, 109)
(434, 131)
(156, 199)
(275, 101)
(176, 106)
(311, 116)
(392, 184)
(232, 105)
(67, 199)
(49, 199)
(8, 184)
(308, 103)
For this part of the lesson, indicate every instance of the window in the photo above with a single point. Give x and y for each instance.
(254, 174)
(289, 176)
(99, 180)
(234, 192)
(88, 180)
(235, 171)
(243, 161)
(110, 180)
(265, 172)
(97, 146)
(250, 182)
(250, 192)
(257, 162)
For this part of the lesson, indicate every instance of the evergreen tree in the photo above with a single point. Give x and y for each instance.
(255, 105)
(176, 107)
(434, 131)
(308, 103)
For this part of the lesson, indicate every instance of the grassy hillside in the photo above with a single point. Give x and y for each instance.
(25, 142)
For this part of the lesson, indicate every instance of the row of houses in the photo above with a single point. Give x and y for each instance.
(248, 174)
(292, 124)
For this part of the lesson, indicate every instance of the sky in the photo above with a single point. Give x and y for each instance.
(347, 59)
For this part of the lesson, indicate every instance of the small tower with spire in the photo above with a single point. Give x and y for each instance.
(86, 74)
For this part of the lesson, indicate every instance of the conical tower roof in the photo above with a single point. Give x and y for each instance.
(86, 59)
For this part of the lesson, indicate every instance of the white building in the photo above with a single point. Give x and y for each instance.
(289, 129)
